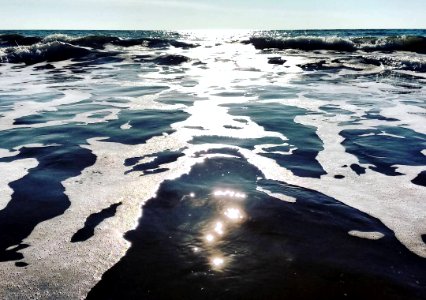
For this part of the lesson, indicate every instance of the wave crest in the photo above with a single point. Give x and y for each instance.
(16, 48)
(309, 43)
(10, 40)
(303, 43)
(51, 51)
(100, 41)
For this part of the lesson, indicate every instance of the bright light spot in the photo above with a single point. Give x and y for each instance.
(196, 249)
(233, 214)
(209, 238)
(217, 261)
(218, 228)
(218, 193)
(192, 195)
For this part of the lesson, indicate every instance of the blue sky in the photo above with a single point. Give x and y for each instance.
(204, 14)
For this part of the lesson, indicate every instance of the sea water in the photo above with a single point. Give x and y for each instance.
(213, 164)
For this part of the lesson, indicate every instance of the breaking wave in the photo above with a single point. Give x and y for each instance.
(9, 40)
(51, 51)
(93, 41)
(405, 62)
(100, 41)
(309, 43)
(16, 48)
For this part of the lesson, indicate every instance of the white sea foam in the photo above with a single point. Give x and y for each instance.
(14, 170)
(409, 116)
(370, 235)
(126, 126)
(35, 145)
(7, 153)
(11, 172)
(279, 196)
(260, 148)
(27, 108)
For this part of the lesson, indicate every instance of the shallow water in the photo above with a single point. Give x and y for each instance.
(218, 165)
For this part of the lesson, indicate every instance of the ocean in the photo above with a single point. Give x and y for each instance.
(213, 164)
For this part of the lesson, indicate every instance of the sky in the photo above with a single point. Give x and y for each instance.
(204, 14)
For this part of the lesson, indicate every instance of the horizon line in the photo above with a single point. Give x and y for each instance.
(207, 29)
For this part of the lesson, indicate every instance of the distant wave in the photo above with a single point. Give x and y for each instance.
(93, 41)
(302, 43)
(9, 40)
(51, 51)
(309, 43)
(15, 48)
